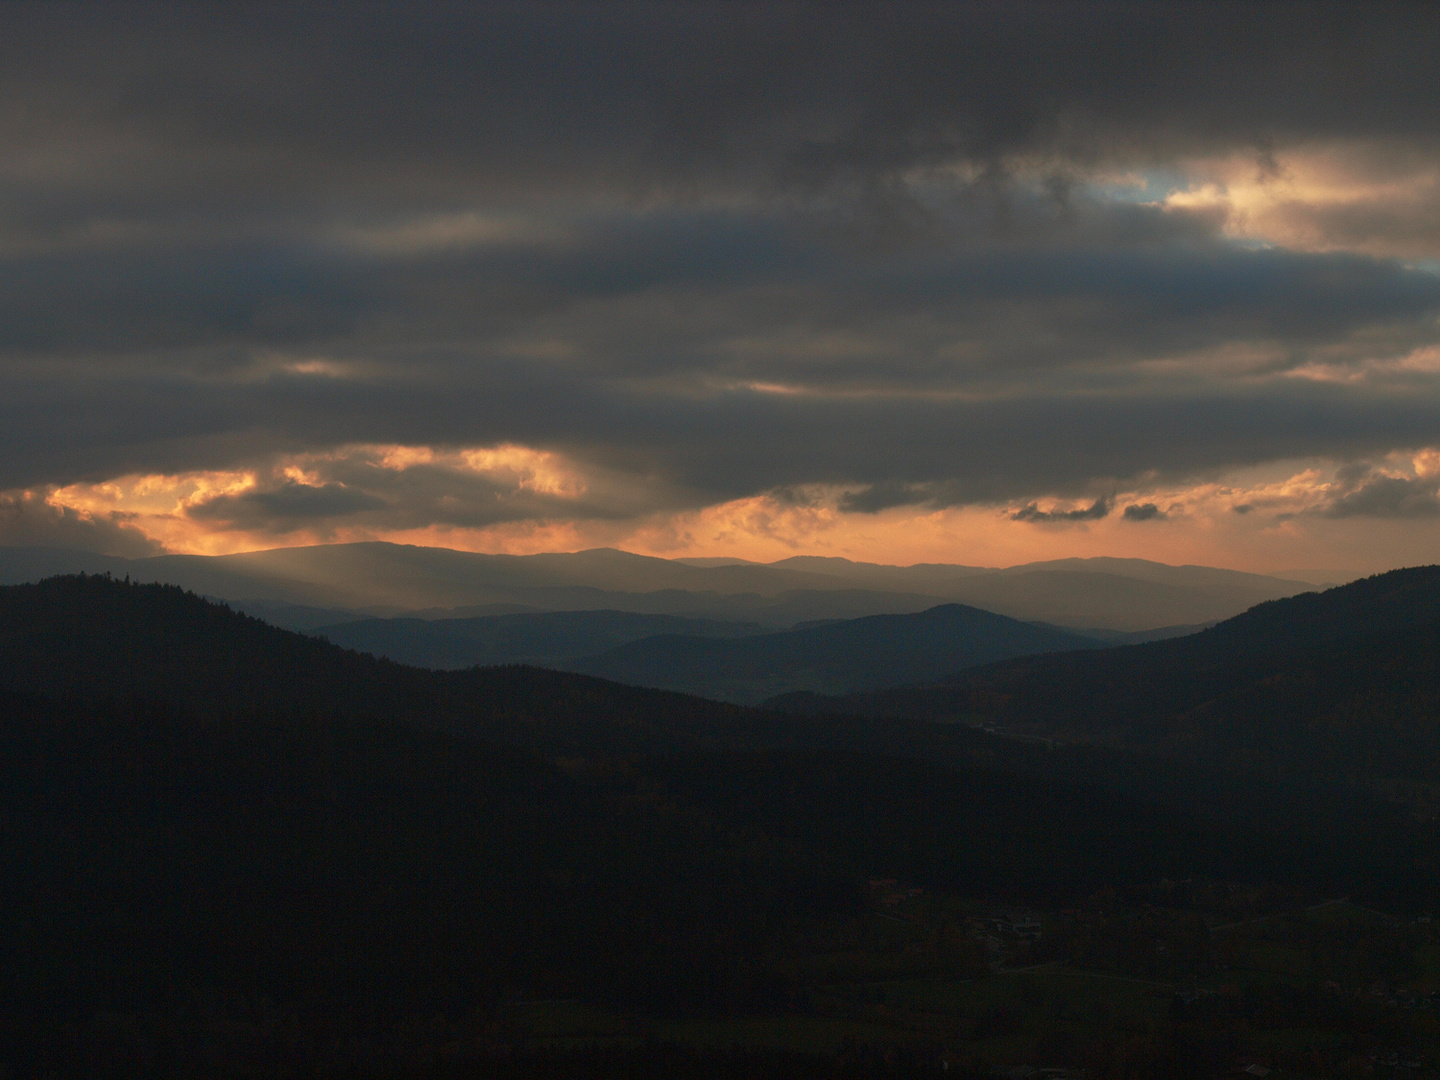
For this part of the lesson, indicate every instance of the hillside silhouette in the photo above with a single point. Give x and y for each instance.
(94, 639)
(1341, 683)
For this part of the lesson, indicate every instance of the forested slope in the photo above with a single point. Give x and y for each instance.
(1342, 684)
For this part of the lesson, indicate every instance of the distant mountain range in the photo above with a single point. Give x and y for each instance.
(308, 587)
(728, 661)
(875, 651)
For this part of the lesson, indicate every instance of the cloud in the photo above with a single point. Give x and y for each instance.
(882, 496)
(289, 501)
(1378, 496)
(690, 256)
(28, 520)
(701, 93)
(1100, 508)
(363, 490)
(1144, 512)
(1379, 195)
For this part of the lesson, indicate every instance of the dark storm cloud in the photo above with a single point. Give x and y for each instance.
(1144, 512)
(288, 501)
(718, 249)
(26, 520)
(873, 498)
(1097, 510)
(423, 101)
(690, 293)
(1375, 495)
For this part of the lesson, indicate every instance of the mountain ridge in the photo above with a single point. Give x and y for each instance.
(1342, 681)
(379, 579)
(872, 651)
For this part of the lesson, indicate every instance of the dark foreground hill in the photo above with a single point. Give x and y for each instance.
(1343, 684)
(93, 639)
(196, 808)
(856, 654)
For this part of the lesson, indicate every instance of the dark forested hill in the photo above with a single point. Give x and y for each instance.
(877, 651)
(1344, 682)
(97, 639)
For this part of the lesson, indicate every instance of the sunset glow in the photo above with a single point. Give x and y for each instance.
(1266, 519)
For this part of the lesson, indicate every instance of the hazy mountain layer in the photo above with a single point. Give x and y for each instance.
(532, 637)
(1085, 599)
(390, 579)
(879, 650)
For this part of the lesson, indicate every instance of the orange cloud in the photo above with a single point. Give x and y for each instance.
(167, 508)
(1370, 197)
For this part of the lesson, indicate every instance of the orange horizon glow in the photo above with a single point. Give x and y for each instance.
(1203, 523)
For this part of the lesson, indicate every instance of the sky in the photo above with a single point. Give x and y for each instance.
(981, 283)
